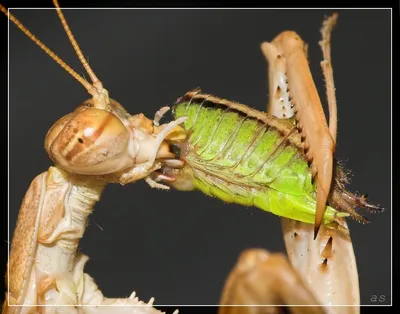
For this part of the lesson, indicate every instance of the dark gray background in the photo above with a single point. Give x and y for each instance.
(179, 247)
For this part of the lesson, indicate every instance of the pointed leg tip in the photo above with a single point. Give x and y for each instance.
(317, 224)
(316, 230)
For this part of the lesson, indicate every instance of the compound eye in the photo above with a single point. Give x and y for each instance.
(89, 141)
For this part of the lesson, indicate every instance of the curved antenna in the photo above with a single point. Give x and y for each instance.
(96, 82)
(91, 89)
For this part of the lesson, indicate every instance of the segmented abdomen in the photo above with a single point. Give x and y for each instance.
(228, 145)
(244, 156)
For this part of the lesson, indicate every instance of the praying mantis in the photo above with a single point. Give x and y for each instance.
(148, 205)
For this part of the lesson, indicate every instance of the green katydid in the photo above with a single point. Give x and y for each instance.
(280, 161)
(251, 158)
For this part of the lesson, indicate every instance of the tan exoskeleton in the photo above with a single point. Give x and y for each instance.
(45, 268)
(97, 144)
(322, 268)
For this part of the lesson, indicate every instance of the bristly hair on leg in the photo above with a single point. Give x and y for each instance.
(345, 201)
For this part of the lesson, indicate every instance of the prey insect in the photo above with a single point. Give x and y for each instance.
(280, 161)
(252, 158)
(98, 143)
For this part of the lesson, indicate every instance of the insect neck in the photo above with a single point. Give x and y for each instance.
(67, 202)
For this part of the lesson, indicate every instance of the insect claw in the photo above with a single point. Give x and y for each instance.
(159, 114)
(154, 184)
(316, 229)
(162, 135)
(174, 163)
(324, 264)
(163, 177)
(327, 251)
(323, 187)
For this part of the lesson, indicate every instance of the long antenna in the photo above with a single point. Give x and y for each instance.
(91, 89)
(93, 77)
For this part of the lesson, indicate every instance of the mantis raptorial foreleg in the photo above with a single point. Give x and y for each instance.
(287, 53)
(327, 263)
(323, 270)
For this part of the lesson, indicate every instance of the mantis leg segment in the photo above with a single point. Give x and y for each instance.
(159, 114)
(319, 142)
(153, 183)
(327, 264)
(135, 173)
(279, 99)
(266, 282)
(326, 65)
(160, 138)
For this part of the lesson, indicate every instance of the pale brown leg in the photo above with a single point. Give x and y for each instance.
(328, 264)
(261, 278)
(318, 141)
(326, 65)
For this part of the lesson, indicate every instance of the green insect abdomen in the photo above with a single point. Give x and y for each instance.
(236, 155)
(250, 150)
